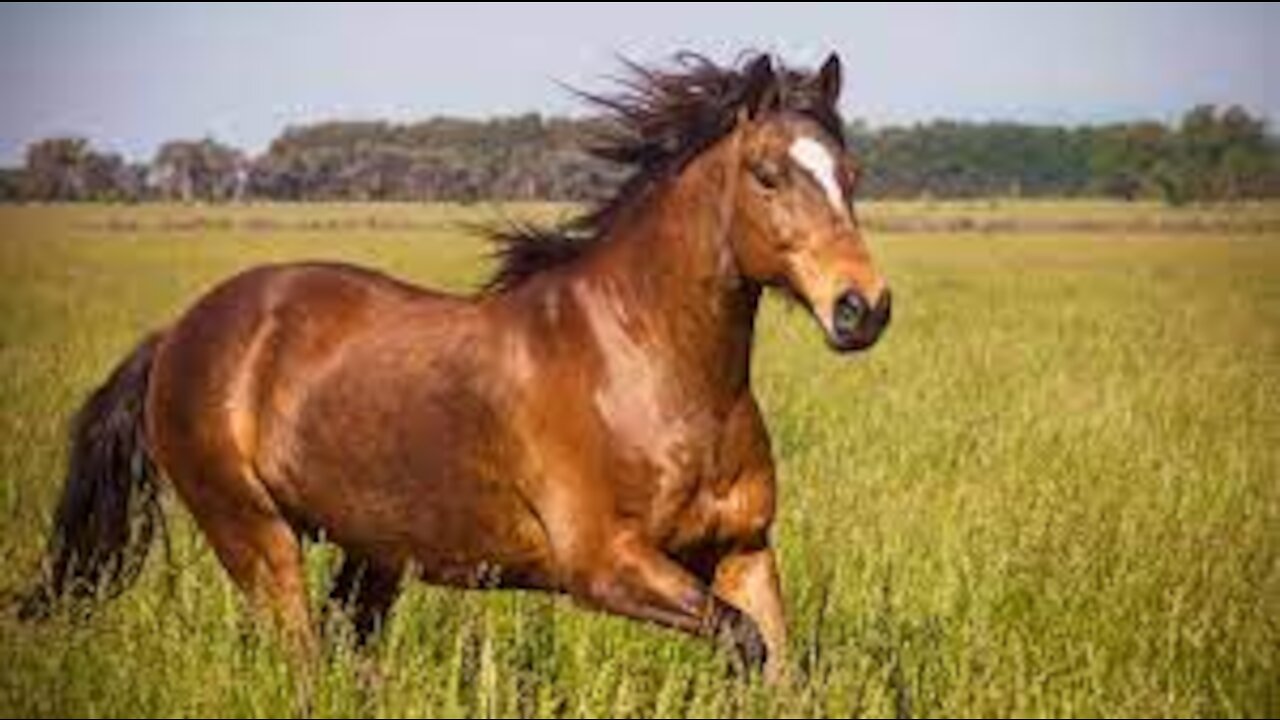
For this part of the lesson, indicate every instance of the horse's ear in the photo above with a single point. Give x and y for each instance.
(761, 90)
(829, 80)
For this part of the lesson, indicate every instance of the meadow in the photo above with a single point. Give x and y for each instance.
(1052, 490)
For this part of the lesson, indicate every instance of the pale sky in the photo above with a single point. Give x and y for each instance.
(131, 76)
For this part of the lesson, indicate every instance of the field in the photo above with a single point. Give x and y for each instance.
(1052, 490)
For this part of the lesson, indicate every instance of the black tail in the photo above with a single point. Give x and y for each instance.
(110, 509)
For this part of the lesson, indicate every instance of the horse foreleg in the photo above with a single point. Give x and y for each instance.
(748, 578)
(629, 577)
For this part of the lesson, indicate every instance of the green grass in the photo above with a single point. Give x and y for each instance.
(1051, 490)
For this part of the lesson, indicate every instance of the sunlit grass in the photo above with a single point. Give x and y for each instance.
(1051, 490)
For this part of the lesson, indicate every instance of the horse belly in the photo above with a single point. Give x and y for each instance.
(402, 466)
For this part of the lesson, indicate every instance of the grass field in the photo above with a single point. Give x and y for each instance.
(1052, 490)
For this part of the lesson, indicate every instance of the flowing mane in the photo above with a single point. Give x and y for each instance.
(660, 119)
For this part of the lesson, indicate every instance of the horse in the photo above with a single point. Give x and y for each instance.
(582, 424)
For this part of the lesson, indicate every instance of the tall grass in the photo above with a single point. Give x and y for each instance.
(1052, 490)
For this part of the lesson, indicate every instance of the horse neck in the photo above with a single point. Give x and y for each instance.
(670, 270)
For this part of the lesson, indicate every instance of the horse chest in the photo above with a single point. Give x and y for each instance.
(690, 490)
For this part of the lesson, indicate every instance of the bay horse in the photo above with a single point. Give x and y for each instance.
(584, 424)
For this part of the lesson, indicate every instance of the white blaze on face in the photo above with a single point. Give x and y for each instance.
(816, 160)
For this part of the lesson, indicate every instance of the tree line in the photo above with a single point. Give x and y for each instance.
(1210, 154)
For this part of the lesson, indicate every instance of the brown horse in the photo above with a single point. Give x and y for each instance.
(584, 425)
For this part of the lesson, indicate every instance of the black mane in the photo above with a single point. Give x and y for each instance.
(660, 119)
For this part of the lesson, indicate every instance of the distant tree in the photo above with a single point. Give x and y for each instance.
(1219, 156)
(952, 159)
(207, 170)
(108, 178)
(69, 169)
(57, 169)
(1244, 160)
(12, 181)
(1123, 159)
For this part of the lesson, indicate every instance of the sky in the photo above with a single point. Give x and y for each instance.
(130, 76)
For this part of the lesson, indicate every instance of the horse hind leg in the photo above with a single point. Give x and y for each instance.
(365, 591)
(260, 550)
(263, 556)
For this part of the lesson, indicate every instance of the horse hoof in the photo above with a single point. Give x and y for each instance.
(742, 637)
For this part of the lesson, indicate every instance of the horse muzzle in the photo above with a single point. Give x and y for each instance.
(856, 324)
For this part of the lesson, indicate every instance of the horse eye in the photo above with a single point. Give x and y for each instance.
(768, 174)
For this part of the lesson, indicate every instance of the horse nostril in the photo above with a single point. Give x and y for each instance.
(848, 314)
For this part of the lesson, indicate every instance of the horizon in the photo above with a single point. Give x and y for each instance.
(82, 71)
